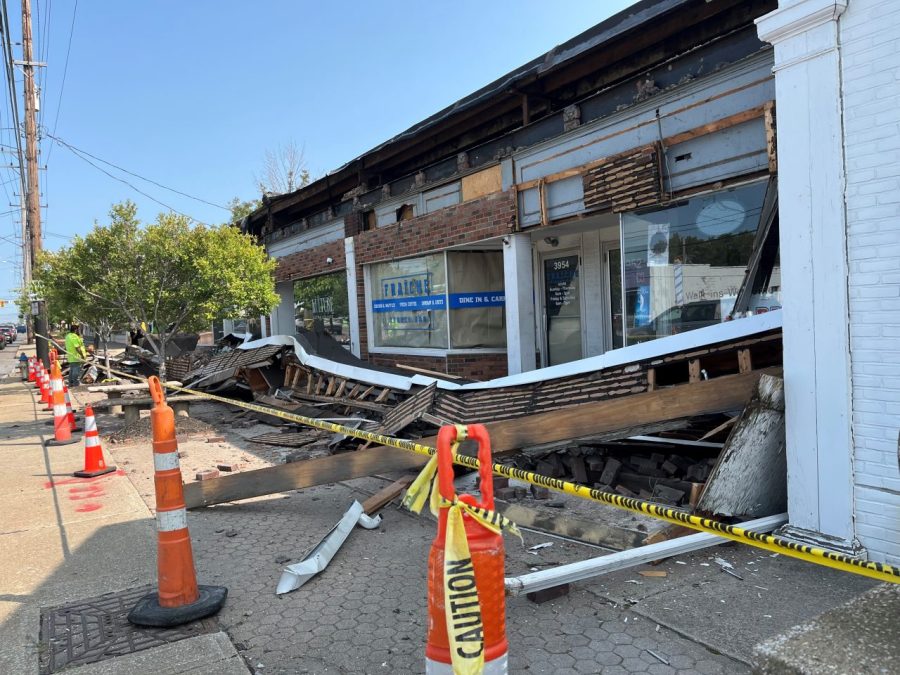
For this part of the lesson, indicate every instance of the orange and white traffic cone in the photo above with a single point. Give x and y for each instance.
(466, 593)
(62, 431)
(31, 373)
(70, 411)
(46, 390)
(94, 464)
(179, 598)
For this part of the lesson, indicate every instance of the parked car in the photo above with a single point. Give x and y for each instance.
(9, 332)
(678, 319)
(2, 341)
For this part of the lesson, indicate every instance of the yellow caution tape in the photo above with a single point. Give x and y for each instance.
(463, 611)
(426, 486)
(813, 554)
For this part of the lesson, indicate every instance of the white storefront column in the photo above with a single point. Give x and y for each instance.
(352, 301)
(518, 281)
(283, 316)
(812, 213)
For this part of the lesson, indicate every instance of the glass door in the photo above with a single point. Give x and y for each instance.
(562, 308)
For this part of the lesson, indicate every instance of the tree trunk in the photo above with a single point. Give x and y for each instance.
(105, 339)
(162, 358)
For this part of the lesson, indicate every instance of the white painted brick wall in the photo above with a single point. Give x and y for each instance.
(870, 66)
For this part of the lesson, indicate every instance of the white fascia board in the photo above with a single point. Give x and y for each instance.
(723, 332)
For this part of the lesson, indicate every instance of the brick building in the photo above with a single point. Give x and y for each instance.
(625, 187)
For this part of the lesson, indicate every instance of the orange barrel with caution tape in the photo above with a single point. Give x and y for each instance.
(479, 626)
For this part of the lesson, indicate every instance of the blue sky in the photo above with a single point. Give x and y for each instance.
(192, 94)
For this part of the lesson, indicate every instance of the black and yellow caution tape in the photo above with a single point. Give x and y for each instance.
(773, 543)
(465, 627)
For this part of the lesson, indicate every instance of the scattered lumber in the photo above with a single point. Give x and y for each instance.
(297, 475)
(386, 495)
(724, 393)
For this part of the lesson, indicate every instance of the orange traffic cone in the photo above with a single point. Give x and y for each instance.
(46, 389)
(31, 374)
(70, 411)
(62, 431)
(179, 598)
(94, 464)
(470, 601)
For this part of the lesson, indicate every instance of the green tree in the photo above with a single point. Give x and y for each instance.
(169, 275)
(239, 209)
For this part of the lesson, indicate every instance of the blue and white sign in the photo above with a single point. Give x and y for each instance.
(477, 300)
(413, 304)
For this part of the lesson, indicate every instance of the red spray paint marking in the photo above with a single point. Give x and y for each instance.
(86, 492)
(86, 508)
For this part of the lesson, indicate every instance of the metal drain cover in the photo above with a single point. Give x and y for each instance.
(95, 629)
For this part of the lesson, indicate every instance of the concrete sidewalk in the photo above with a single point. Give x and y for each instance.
(64, 539)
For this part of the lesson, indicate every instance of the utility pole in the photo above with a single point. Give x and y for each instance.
(33, 195)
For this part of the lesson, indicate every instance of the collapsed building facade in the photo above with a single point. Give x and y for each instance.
(620, 189)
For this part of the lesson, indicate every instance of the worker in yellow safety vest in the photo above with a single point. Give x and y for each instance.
(75, 354)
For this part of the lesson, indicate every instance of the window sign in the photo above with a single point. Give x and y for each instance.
(409, 303)
(561, 290)
(683, 265)
(413, 305)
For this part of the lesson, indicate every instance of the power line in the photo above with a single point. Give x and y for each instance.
(123, 181)
(78, 151)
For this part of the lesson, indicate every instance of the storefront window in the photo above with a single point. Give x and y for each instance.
(323, 299)
(476, 299)
(409, 303)
(683, 265)
(415, 305)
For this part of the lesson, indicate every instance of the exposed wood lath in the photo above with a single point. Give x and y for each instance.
(624, 182)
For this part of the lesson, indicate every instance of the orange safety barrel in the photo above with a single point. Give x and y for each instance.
(487, 562)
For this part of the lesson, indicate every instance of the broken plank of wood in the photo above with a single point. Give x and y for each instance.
(407, 412)
(425, 371)
(383, 395)
(750, 475)
(386, 495)
(588, 531)
(722, 393)
(353, 403)
(721, 427)
(728, 392)
(667, 533)
(296, 475)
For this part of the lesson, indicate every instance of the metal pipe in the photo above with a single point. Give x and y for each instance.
(585, 569)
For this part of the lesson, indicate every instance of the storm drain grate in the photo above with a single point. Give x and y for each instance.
(95, 629)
